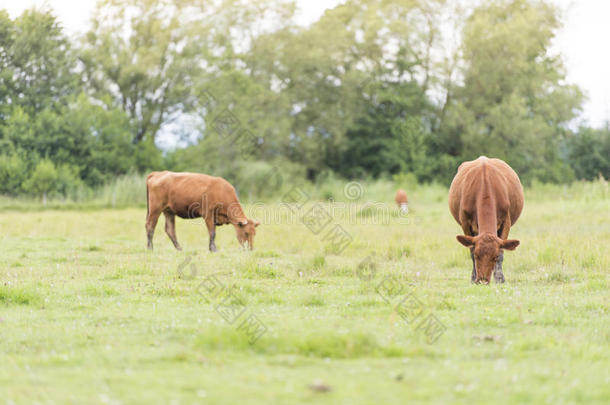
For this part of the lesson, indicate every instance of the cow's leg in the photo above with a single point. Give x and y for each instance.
(503, 231)
(473, 277)
(170, 228)
(467, 229)
(151, 223)
(209, 221)
(498, 275)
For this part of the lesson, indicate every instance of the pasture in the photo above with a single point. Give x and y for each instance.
(88, 315)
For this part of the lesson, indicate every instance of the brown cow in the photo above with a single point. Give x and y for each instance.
(486, 199)
(402, 201)
(193, 195)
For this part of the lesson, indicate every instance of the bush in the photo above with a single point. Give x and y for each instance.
(68, 180)
(44, 179)
(589, 153)
(254, 179)
(260, 180)
(127, 190)
(13, 172)
(406, 181)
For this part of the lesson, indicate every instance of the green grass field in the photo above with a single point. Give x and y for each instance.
(87, 315)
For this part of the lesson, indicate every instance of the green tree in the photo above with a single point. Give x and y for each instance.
(68, 180)
(514, 102)
(43, 180)
(6, 68)
(146, 55)
(99, 138)
(243, 89)
(328, 71)
(390, 138)
(13, 172)
(37, 61)
(589, 153)
(94, 139)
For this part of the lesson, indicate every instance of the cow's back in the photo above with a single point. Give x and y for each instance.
(460, 186)
(493, 175)
(509, 179)
(190, 194)
(401, 197)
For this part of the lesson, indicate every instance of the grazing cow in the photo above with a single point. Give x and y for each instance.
(486, 199)
(402, 201)
(193, 195)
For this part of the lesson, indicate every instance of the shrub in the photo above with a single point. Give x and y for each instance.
(44, 179)
(13, 172)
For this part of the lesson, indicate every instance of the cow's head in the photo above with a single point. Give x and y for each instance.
(486, 249)
(246, 230)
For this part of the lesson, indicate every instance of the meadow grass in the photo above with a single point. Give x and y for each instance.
(87, 315)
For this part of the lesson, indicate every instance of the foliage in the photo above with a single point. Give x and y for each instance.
(589, 153)
(238, 87)
(43, 180)
(514, 103)
(391, 138)
(140, 53)
(13, 172)
(37, 62)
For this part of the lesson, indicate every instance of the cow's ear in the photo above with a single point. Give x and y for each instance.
(510, 244)
(465, 240)
(256, 223)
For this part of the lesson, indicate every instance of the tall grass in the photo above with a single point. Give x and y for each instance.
(577, 191)
(125, 191)
(267, 184)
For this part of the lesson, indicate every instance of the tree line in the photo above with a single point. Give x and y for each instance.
(228, 87)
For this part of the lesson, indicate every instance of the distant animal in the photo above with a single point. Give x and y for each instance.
(486, 199)
(193, 195)
(402, 201)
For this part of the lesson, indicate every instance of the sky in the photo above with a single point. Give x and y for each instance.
(581, 41)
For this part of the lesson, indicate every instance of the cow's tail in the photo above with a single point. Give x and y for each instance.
(147, 199)
(147, 204)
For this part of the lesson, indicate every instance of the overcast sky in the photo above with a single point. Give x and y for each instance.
(581, 41)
